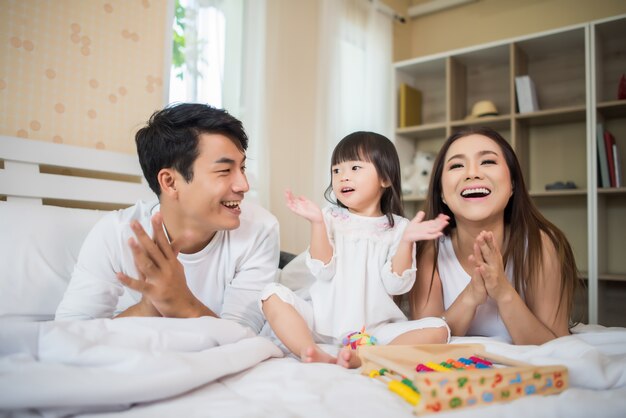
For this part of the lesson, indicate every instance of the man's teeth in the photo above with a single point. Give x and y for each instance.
(478, 191)
(232, 203)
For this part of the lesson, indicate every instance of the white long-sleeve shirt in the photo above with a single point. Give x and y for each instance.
(356, 287)
(226, 276)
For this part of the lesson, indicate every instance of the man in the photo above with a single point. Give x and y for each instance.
(198, 250)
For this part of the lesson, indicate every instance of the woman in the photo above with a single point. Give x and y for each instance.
(501, 269)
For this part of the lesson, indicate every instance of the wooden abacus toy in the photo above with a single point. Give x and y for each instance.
(439, 377)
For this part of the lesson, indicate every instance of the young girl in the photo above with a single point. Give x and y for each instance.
(361, 254)
(501, 269)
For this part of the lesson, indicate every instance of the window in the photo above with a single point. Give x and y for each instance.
(218, 58)
(203, 31)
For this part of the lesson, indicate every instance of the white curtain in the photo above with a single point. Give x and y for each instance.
(225, 67)
(355, 77)
(252, 100)
(203, 73)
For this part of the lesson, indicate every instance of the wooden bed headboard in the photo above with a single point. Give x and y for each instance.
(66, 175)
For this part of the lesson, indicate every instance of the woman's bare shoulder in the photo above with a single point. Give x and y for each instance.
(547, 246)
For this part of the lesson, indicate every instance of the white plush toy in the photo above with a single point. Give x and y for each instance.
(417, 175)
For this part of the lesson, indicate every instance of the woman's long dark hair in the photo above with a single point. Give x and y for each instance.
(380, 151)
(524, 245)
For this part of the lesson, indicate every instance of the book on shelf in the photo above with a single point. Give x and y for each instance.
(609, 141)
(604, 179)
(410, 106)
(618, 166)
(612, 155)
(526, 94)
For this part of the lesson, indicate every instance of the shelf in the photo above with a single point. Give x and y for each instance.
(553, 116)
(556, 64)
(496, 122)
(610, 38)
(413, 198)
(612, 277)
(611, 190)
(425, 130)
(612, 109)
(558, 193)
(576, 73)
(605, 277)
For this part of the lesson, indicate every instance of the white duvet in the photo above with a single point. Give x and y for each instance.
(60, 368)
(181, 368)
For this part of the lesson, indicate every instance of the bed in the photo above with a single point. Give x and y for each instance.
(144, 367)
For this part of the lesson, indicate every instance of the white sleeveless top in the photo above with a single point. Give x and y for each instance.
(454, 279)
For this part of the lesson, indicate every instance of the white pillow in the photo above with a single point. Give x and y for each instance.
(39, 246)
(297, 276)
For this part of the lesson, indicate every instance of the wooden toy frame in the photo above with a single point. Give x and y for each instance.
(507, 380)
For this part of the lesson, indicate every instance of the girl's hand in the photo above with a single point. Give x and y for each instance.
(491, 267)
(302, 206)
(418, 229)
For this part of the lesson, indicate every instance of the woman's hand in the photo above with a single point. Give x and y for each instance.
(419, 230)
(488, 260)
(304, 207)
(475, 291)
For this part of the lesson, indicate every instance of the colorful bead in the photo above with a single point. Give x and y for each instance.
(407, 393)
(422, 368)
(479, 360)
(355, 339)
(451, 364)
(437, 367)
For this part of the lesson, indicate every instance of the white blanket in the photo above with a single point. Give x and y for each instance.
(595, 356)
(60, 368)
(160, 370)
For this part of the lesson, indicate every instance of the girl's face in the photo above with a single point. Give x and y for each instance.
(476, 181)
(357, 185)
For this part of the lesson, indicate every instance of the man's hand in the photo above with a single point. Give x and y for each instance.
(161, 281)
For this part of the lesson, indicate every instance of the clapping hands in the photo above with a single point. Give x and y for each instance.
(304, 207)
(489, 278)
(418, 229)
(161, 277)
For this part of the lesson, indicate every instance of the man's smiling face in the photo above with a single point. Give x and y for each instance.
(211, 200)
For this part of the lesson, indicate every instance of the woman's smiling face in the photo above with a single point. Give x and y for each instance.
(476, 181)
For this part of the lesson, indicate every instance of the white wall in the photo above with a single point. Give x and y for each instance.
(292, 44)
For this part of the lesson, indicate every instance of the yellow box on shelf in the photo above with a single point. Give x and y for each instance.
(409, 106)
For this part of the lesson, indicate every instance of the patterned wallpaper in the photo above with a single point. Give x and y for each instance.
(81, 72)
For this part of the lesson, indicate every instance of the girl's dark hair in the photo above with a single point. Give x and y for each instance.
(524, 245)
(170, 138)
(380, 151)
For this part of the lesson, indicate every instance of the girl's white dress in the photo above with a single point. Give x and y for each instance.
(356, 287)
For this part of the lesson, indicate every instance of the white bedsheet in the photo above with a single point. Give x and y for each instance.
(595, 356)
(59, 368)
(284, 387)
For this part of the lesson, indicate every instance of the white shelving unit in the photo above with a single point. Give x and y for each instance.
(576, 71)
